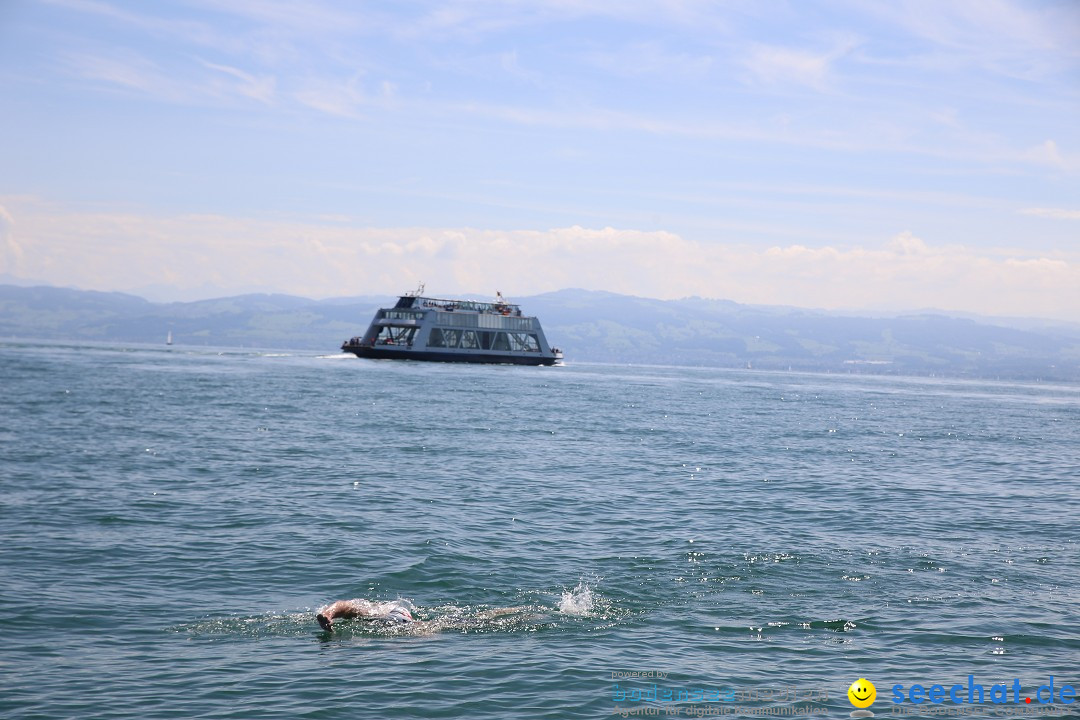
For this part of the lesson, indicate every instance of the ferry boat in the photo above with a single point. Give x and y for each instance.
(427, 328)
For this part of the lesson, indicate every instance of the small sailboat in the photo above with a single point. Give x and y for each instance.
(168, 338)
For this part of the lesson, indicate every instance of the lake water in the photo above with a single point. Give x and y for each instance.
(171, 518)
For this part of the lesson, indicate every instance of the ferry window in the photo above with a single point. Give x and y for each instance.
(395, 335)
(522, 342)
(486, 321)
(469, 340)
(436, 338)
(451, 337)
(485, 339)
(501, 343)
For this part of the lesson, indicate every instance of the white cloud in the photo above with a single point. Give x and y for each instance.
(258, 88)
(1056, 213)
(338, 98)
(292, 18)
(907, 244)
(111, 251)
(131, 71)
(1046, 154)
(637, 60)
(302, 55)
(777, 65)
(125, 69)
(1025, 40)
(907, 273)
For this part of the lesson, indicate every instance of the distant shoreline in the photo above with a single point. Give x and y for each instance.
(591, 327)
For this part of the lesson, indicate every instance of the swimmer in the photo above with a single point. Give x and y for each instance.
(399, 612)
(392, 612)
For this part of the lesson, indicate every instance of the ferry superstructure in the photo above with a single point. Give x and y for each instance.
(440, 330)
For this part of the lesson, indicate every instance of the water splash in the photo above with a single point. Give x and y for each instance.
(446, 618)
(382, 609)
(579, 601)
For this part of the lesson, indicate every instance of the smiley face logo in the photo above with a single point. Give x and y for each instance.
(862, 693)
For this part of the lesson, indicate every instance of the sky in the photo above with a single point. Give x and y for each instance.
(848, 155)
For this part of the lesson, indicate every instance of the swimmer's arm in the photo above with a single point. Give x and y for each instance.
(343, 609)
(352, 609)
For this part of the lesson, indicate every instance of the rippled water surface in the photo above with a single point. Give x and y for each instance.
(170, 520)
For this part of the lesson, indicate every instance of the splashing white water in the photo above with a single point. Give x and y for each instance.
(578, 601)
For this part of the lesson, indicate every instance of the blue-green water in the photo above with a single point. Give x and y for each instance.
(170, 519)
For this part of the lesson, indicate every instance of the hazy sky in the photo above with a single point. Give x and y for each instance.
(849, 154)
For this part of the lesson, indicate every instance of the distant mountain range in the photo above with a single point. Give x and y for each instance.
(590, 327)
